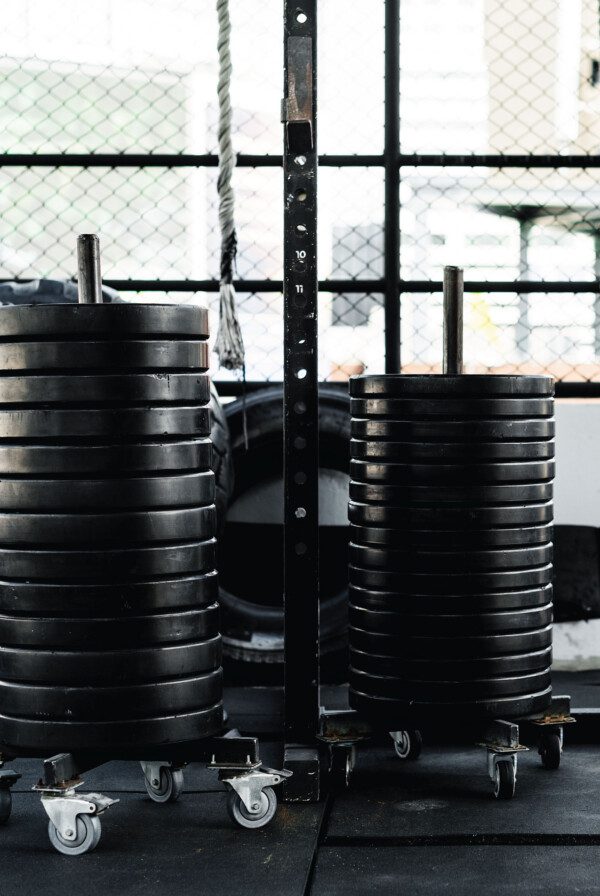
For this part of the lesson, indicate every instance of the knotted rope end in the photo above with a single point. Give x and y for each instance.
(229, 344)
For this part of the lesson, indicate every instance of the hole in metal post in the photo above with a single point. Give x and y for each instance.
(300, 160)
(300, 548)
(301, 17)
(302, 373)
(300, 407)
(300, 513)
(300, 478)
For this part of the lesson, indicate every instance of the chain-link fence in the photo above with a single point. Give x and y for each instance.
(499, 138)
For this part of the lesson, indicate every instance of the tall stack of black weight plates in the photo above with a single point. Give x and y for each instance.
(109, 635)
(451, 546)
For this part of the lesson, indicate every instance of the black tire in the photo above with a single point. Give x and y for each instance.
(504, 780)
(550, 750)
(222, 465)
(5, 805)
(260, 460)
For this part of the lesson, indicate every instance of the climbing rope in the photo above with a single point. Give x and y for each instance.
(229, 344)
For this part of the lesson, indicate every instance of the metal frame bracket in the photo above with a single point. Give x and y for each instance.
(343, 726)
(297, 107)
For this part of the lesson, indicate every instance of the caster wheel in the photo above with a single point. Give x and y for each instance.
(341, 765)
(504, 781)
(5, 805)
(168, 788)
(550, 751)
(87, 836)
(240, 815)
(409, 744)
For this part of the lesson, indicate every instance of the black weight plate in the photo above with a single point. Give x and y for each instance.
(461, 561)
(447, 474)
(452, 430)
(109, 667)
(467, 539)
(466, 495)
(450, 452)
(108, 565)
(183, 490)
(113, 424)
(108, 321)
(450, 583)
(449, 691)
(431, 518)
(454, 646)
(118, 739)
(108, 355)
(397, 714)
(71, 633)
(111, 703)
(120, 598)
(398, 385)
(154, 457)
(126, 389)
(438, 625)
(100, 529)
(449, 409)
(451, 670)
(408, 604)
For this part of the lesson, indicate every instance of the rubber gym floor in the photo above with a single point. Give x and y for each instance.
(424, 828)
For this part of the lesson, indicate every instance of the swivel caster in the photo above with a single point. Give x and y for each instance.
(251, 800)
(84, 838)
(550, 750)
(505, 779)
(163, 783)
(262, 811)
(341, 765)
(74, 825)
(5, 805)
(407, 744)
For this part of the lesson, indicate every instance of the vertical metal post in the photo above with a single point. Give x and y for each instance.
(301, 412)
(596, 238)
(391, 153)
(89, 278)
(453, 321)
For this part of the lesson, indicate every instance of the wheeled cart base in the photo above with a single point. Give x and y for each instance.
(74, 826)
(341, 730)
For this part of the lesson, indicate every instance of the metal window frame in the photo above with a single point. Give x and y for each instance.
(391, 160)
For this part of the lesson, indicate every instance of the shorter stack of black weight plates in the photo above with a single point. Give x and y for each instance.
(109, 632)
(451, 546)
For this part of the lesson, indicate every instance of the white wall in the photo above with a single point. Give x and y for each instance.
(577, 486)
(577, 503)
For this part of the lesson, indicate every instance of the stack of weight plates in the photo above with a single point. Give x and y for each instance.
(451, 546)
(109, 636)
